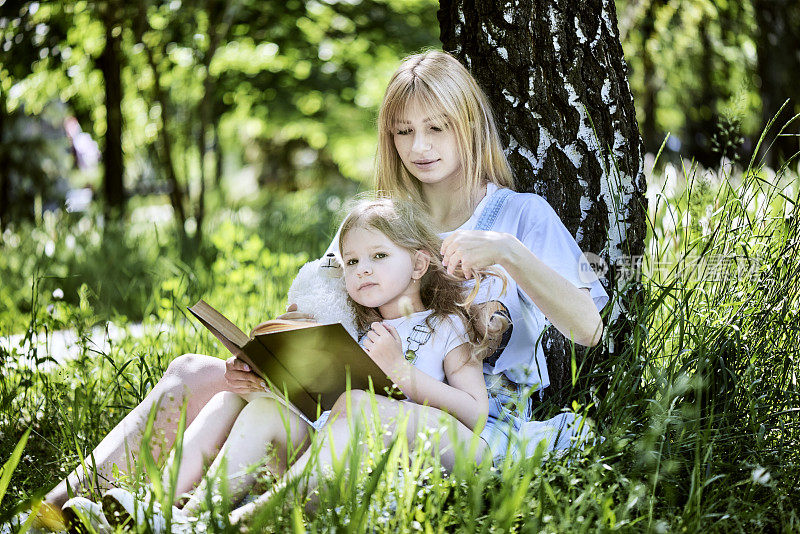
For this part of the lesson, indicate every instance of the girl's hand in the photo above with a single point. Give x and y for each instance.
(241, 379)
(473, 250)
(384, 346)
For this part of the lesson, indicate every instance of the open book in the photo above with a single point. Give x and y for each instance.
(306, 365)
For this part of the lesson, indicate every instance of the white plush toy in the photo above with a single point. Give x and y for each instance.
(318, 289)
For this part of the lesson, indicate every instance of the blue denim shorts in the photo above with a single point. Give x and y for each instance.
(510, 406)
(497, 434)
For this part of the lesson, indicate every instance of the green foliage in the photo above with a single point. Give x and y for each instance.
(698, 414)
(694, 67)
(136, 270)
(8, 468)
(287, 89)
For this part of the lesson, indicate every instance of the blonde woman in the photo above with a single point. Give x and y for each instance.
(438, 146)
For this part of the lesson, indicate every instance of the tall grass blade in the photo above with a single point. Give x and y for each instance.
(175, 466)
(11, 464)
(356, 525)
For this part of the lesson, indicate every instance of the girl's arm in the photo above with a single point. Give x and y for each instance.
(569, 308)
(464, 396)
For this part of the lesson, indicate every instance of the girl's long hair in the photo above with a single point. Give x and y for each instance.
(442, 87)
(408, 227)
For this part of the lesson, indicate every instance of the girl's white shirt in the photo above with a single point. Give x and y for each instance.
(430, 345)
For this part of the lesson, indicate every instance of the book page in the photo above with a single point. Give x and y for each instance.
(280, 325)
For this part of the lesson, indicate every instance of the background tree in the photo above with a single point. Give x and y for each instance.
(25, 41)
(49, 41)
(648, 96)
(286, 87)
(778, 45)
(693, 65)
(109, 63)
(292, 74)
(567, 117)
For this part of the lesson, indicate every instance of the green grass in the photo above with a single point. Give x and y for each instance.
(699, 413)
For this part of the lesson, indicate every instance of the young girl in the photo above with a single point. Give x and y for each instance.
(421, 325)
(418, 324)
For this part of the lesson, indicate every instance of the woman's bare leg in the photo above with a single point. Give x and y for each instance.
(337, 438)
(203, 439)
(265, 431)
(191, 377)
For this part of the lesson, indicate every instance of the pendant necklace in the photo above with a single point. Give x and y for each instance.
(420, 335)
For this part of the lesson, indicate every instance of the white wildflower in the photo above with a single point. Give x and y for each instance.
(760, 476)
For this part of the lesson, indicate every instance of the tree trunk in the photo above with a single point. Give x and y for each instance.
(778, 51)
(176, 191)
(219, 23)
(557, 81)
(164, 148)
(113, 169)
(203, 150)
(218, 156)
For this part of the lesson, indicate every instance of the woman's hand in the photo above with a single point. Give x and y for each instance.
(241, 379)
(294, 315)
(472, 250)
(291, 314)
(384, 347)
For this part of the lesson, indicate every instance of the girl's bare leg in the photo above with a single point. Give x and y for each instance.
(191, 377)
(337, 437)
(265, 431)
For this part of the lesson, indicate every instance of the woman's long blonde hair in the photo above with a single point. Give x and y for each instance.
(410, 228)
(441, 86)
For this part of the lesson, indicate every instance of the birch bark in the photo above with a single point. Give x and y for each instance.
(556, 77)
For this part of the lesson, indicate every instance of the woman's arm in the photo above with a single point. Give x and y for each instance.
(569, 308)
(464, 396)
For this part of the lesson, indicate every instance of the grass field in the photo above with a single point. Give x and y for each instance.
(700, 418)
